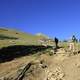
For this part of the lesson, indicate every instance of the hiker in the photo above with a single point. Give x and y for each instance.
(72, 43)
(56, 42)
(74, 38)
(71, 46)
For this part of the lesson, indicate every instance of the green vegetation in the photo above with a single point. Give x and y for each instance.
(2, 37)
(12, 37)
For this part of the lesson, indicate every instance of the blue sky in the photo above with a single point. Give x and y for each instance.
(60, 18)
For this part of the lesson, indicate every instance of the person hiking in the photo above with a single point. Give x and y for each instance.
(74, 38)
(72, 44)
(56, 42)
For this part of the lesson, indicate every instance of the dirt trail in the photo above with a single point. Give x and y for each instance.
(60, 66)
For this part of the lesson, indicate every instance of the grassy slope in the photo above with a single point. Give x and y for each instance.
(28, 39)
(23, 38)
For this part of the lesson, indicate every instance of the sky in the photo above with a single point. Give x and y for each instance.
(60, 18)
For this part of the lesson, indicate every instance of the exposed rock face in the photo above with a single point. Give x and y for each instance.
(56, 74)
(42, 35)
(32, 71)
(45, 67)
(37, 70)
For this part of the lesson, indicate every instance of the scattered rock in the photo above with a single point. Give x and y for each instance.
(57, 74)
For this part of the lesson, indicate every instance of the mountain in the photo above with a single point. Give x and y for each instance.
(14, 37)
(23, 58)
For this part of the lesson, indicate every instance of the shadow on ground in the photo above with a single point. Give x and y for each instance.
(16, 51)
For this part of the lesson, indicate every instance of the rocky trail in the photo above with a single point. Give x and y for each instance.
(61, 66)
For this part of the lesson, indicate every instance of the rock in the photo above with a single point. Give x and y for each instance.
(34, 70)
(61, 75)
(56, 74)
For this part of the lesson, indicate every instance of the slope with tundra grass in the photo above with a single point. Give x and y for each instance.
(13, 37)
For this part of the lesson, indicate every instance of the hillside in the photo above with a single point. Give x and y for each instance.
(13, 37)
(22, 57)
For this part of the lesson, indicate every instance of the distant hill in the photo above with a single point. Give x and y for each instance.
(13, 37)
(41, 35)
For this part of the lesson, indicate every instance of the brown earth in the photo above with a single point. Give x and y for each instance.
(60, 66)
